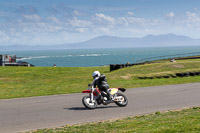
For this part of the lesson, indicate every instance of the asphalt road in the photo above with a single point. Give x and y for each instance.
(22, 114)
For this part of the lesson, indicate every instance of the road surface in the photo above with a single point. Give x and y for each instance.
(22, 114)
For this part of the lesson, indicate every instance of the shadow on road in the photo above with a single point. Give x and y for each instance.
(83, 108)
(76, 108)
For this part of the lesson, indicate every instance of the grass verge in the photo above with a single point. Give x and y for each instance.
(186, 120)
(18, 82)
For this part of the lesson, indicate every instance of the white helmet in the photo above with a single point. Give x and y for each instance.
(96, 74)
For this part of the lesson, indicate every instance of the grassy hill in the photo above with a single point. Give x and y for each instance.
(183, 121)
(39, 81)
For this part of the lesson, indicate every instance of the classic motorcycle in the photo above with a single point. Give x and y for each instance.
(97, 97)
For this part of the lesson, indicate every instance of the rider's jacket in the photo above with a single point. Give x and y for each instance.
(101, 82)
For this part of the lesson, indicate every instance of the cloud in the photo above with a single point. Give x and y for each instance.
(194, 17)
(102, 30)
(170, 15)
(75, 22)
(130, 13)
(61, 8)
(64, 10)
(54, 20)
(66, 24)
(82, 30)
(135, 20)
(30, 28)
(4, 38)
(32, 18)
(77, 13)
(100, 17)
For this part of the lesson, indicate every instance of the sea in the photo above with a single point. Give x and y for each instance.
(100, 57)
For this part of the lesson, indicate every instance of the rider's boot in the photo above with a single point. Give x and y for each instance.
(100, 100)
(109, 95)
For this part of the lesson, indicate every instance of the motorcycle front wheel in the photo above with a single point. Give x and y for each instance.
(124, 100)
(88, 104)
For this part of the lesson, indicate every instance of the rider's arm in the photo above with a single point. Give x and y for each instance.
(94, 84)
(102, 77)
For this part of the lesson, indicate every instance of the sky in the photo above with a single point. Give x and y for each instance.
(51, 22)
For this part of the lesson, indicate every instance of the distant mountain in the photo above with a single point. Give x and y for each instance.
(168, 40)
(105, 42)
(115, 42)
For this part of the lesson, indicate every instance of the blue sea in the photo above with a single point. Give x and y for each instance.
(101, 57)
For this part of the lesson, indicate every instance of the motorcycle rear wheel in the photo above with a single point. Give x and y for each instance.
(121, 103)
(87, 104)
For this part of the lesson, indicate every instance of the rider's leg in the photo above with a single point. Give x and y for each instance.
(106, 89)
(98, 93)
(109, 94)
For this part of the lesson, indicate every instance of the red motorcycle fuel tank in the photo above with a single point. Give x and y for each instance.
(96, 91)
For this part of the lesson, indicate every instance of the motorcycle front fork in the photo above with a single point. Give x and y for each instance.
(92, 98)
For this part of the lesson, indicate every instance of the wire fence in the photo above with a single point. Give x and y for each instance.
(168, 57)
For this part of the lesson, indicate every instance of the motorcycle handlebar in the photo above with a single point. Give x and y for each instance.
(89, 84)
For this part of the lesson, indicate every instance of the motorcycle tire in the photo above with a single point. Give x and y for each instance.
(121, 103)
(87, 104)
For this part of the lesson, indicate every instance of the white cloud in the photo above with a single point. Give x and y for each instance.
(130, 13)
(56, 29)
(75, 22)
(33, 17)
(54, 19)
(65, 11)
(123, 21)
(135, 20)
(77, 13)
(170, 15)
(194, 17)
(191, 15)
(4, 38)
(101, 17)
(81, 30)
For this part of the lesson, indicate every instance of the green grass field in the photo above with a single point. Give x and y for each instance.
(18, 82)
(184, 121)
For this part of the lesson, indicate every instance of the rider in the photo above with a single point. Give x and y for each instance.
(101, 82)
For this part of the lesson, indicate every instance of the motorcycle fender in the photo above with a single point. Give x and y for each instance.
(122, 89)
(87, 91)
(113, 91)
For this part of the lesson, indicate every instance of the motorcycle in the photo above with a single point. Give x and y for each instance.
(97, 97)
